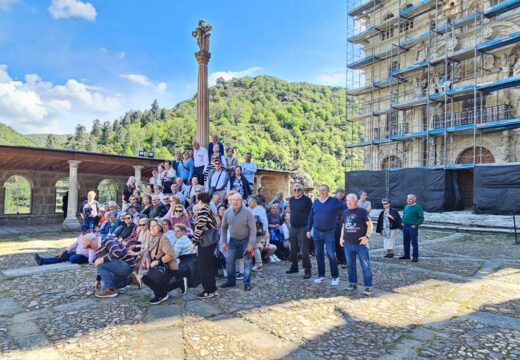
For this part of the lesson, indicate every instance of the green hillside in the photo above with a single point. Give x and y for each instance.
(8, 136)
(285, 125)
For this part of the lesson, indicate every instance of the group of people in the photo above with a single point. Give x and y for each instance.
(211, 224)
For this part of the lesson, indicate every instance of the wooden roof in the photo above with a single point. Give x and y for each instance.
(42, 159)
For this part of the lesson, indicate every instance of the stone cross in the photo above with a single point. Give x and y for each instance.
(202, 34)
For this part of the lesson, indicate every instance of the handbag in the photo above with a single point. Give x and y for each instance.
(259, 226)
(210, 237)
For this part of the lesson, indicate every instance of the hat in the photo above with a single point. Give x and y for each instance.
(385, 201)
(143, 221)
(339, 190)
(84, 228)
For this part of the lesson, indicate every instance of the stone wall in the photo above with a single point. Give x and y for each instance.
(43, 195)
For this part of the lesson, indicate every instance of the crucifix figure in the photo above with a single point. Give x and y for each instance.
(202, 34)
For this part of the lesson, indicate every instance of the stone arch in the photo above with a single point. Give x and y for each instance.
(482, 156)
(391, 162)
(61, 187)
(18, 191)
(107, 190)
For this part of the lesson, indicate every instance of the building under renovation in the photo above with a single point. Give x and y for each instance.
(435, 85)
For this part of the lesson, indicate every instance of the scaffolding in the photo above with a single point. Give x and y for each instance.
(432, 84)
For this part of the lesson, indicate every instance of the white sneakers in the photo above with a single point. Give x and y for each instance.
(334, 282)
(274, 259)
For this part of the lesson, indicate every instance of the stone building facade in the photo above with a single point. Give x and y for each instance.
(435, 83)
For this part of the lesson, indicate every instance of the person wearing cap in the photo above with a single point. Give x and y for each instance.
(249, 169)
(278, 199)
(218, 179)
(388, 222)
(75, 253)
(340, 195)
(355, 231)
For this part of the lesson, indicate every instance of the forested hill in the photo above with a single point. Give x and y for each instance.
(285, 125)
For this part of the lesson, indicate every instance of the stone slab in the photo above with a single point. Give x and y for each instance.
(32, 270)
(8, 307)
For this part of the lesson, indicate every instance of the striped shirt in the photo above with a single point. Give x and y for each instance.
(205, 221)
(112, 250)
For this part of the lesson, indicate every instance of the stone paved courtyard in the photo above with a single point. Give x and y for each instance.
(462, 300)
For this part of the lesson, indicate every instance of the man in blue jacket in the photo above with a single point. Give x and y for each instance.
(322, 224)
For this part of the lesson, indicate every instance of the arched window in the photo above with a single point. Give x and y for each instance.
(482, 156)
(17, 195)
(391, 162)
(107, 191)
(61, 188)
(408, 24)
(388, 32)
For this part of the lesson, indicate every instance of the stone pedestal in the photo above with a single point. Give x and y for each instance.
(71, 222)
(202, 98)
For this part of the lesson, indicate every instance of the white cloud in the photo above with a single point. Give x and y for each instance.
(6, 4)
(137, 78)
(62, 9)
(143, 80)
(228, 75)
(38, 105)
(338, 78)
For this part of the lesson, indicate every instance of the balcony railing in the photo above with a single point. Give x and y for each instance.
(384, 132)
(466, 117)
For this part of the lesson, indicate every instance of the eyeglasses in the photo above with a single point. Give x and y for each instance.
(128, 218)
(297, 190)
(386, 203)
(142, 225)
(178, 211)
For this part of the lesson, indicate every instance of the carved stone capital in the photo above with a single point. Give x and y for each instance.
(203, 56)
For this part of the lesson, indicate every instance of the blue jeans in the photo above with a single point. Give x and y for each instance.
(90, 222)
(351, 250)
(325, 239)
(114, 274)
(410, 233)
(67, 256)
(236, 250)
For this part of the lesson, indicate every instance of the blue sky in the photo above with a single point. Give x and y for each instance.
(64, 62)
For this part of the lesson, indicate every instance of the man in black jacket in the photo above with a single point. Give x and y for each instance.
(388, 223)
(158, 209)
(300, 206)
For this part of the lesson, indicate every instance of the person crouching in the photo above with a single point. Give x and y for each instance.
(163, 265)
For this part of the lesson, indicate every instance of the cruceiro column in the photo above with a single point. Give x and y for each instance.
(202, 34)
(71, 221)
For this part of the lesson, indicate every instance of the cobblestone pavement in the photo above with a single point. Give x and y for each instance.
(461, 300)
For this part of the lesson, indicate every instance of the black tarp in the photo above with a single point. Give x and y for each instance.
(436, 189)
(496, 189)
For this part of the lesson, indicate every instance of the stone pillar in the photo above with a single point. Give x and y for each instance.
(202, 98)
(137, 174)
(71, 221)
